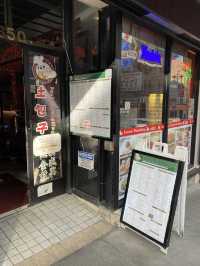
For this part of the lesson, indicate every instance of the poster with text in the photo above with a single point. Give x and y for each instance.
(180, 134)
(152, 192)
(90, 104)
(141, 137)
(45, 114)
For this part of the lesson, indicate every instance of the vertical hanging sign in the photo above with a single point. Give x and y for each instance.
(45, 116)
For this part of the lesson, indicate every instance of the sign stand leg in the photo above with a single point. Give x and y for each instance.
(164, 250)
(123, 226)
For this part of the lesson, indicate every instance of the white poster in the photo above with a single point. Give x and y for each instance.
(47, 144)
(90, 104)
(180, 134)
(45, 189)
(149, 197)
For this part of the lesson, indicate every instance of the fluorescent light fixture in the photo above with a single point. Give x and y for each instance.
(165, 23)
(94, 3)
(171, 26)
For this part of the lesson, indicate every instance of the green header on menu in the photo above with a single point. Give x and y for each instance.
(93, 76)
(165, 164)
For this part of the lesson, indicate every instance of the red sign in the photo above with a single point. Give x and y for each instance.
(181, 123)
(141, 130)
(42, 127)
(41, 92)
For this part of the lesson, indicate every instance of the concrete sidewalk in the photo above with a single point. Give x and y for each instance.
(123, 247)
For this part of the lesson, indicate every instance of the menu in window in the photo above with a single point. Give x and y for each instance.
(90, 104)
(150, 195)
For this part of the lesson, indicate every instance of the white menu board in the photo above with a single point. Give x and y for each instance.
(151, 196)
(90, 104)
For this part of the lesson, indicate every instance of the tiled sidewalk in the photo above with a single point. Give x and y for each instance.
(36, 228)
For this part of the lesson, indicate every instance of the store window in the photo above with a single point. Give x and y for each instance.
(181, 97)
(142, 76)
(141, 93)
(86, 35)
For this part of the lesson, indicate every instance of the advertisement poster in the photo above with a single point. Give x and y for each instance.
(180, 134)
(90, 104)
(150, 192)
(143, 137)
(45, 117)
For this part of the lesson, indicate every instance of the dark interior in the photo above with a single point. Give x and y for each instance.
(42, 25)
(13, 171)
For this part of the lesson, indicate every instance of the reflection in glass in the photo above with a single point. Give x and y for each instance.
(181, 96)
(86, 36)
(142, 76)
(37, 22)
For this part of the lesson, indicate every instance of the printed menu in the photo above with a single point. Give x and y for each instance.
(149, 195)
(90, 104)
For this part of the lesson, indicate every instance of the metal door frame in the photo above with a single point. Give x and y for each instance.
(29, 145)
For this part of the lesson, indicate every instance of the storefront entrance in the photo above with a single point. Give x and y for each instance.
(31, 82)
(30, 125)
(13, 161)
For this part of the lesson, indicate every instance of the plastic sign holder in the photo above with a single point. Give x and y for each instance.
(181, 153)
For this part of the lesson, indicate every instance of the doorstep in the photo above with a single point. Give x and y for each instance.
(47, 228)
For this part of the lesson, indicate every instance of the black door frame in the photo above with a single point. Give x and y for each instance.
(68, 15)
(60, 189)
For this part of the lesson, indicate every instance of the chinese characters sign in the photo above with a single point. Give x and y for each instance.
(45, 117)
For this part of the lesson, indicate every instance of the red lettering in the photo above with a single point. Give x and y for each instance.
(41, 93)
(42, 127)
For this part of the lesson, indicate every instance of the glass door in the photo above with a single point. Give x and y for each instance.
(42, 70)
(85, 167)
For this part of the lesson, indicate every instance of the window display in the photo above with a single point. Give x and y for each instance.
(181, 97)
(141, 93)
(142, 76)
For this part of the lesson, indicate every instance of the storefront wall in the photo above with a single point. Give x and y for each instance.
(154, 97)
(156, 89)
(158, 94)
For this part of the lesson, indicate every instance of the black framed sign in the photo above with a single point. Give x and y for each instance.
(151, 195)
(90, 104)
(44, 122)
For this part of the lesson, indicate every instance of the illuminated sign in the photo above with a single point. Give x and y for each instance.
(149, 56)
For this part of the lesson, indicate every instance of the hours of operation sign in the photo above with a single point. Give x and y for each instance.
(151, 196)
(90, 104)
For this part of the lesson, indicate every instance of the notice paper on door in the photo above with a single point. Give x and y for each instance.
(86, 160)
